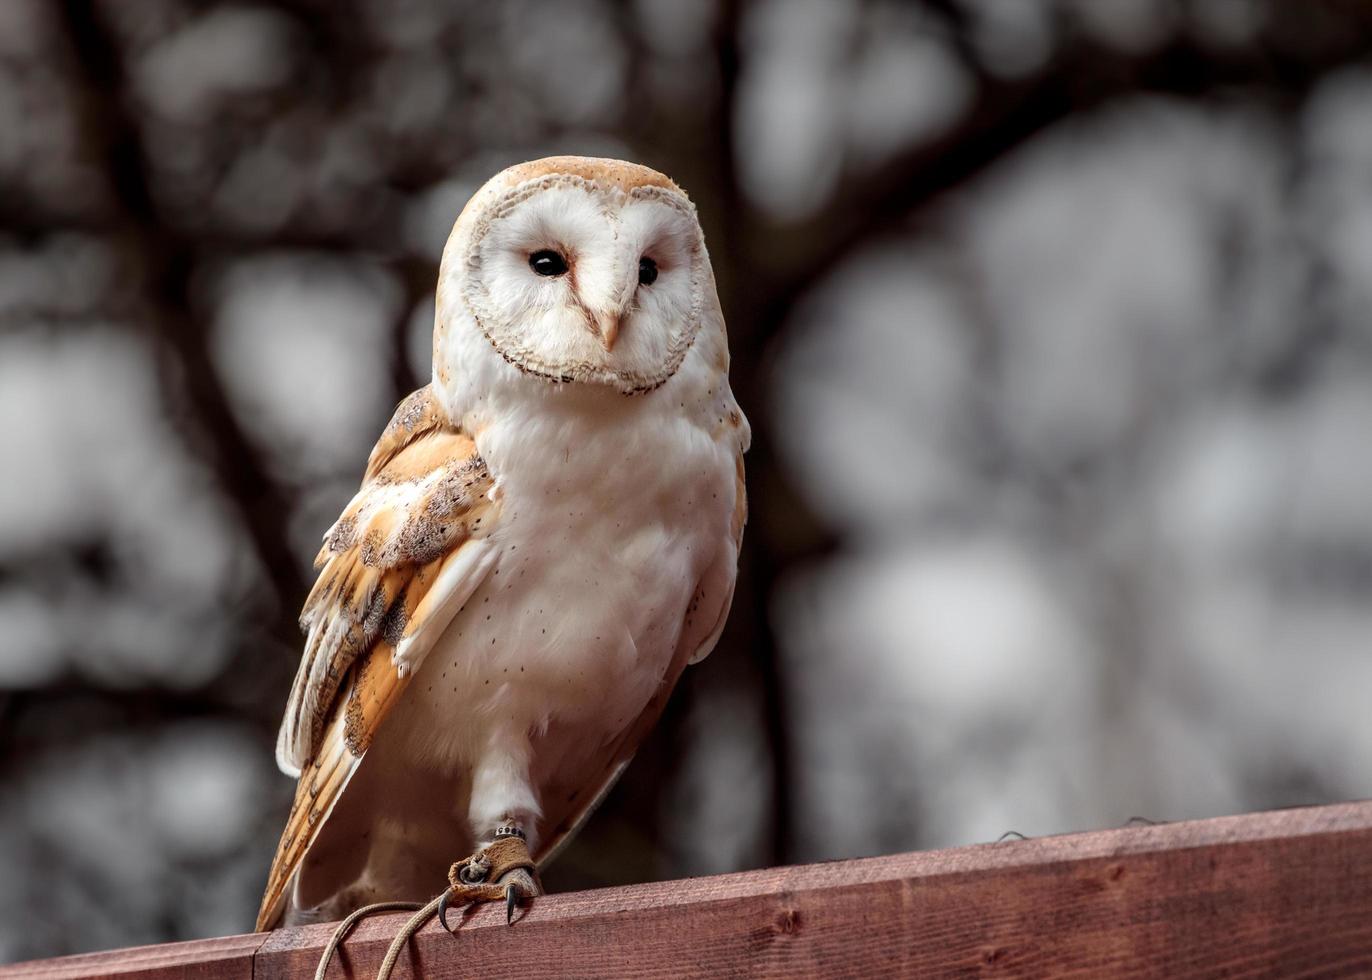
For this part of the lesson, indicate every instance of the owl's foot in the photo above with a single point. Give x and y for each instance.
(503, 869)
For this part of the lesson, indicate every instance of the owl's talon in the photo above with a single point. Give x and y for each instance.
(501, 869)
(517, 885)
(443, 909)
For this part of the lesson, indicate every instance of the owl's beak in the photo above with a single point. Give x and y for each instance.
(607, 326)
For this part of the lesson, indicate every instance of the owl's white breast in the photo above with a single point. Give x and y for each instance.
(611, 511)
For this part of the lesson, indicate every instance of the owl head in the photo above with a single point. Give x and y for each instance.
(573, 270)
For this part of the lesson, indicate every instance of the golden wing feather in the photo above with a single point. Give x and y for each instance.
(408, 548)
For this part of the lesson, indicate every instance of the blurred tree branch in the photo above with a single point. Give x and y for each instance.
(167, 262)
(1084, 76)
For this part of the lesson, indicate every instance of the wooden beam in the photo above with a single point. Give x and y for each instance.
(1287, 892)
(229, 958)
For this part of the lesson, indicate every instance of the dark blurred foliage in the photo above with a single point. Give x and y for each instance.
(1051, 320)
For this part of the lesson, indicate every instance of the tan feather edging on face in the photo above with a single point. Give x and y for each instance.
(643, 361)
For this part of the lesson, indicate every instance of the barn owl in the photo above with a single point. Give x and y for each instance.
(545, 536)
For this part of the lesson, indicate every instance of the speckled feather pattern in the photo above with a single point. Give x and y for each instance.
(426, 491)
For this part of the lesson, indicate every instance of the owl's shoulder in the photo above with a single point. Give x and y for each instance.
(418, 415)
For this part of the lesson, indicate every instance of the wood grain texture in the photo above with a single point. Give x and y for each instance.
(227, 958)
(1284, 893)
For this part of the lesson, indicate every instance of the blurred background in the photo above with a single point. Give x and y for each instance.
(1052, 320)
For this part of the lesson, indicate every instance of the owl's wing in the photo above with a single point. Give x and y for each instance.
(708, 611)
(722, 592)
(408, 551)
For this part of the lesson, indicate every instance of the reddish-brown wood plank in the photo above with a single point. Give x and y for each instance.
(1288, 892)
(227, 958)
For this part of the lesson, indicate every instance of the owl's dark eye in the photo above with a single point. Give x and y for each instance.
(647, 271)
(549, 263)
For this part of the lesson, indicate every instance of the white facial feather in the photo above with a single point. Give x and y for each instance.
(554, 327)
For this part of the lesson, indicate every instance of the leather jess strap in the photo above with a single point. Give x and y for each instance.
(475, 878)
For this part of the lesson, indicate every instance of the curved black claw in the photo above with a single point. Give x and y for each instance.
(511, 900)
(443, 910)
